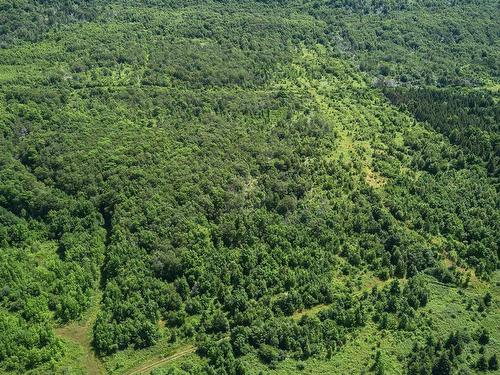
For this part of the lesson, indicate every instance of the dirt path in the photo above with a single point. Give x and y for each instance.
(152, 364)
(81, 333)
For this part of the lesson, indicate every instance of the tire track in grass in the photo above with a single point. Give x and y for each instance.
(152, 365)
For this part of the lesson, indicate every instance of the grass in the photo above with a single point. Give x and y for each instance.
(78, 337)
(446, 312)
(132, 361)
(154, 363)
(80, 358)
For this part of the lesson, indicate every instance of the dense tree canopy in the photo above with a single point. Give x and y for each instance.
(266, 180)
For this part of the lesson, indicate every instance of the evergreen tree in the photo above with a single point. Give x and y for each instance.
(493, 363)
(443, 366)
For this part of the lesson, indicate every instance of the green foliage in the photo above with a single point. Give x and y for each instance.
(26, 345)
(414, 43)
(222, 170)
(493, 363)
(434, 357)
(468, 119)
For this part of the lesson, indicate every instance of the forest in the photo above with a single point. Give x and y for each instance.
(249, 187)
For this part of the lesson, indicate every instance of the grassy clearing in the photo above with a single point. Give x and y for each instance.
(78, 336)
(132, 361)
(153, 363)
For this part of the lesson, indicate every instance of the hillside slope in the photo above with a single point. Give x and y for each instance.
(285, 186)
